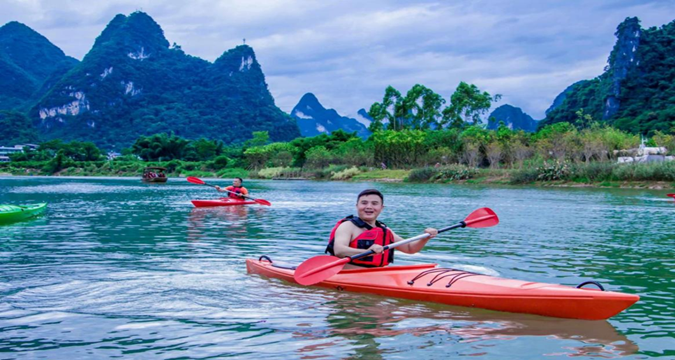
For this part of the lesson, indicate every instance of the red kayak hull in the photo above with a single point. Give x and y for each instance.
(221, 202)
(468, 289)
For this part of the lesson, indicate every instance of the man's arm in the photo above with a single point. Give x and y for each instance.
(415, 246)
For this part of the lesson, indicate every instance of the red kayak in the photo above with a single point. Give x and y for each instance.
(425, 282)
(671, 195)
(221, 202)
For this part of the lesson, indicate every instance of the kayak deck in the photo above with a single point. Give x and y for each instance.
(12, 213)
(425, 282)
(220, 202)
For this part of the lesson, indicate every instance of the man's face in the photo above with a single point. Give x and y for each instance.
(236, 182)
(369, 207)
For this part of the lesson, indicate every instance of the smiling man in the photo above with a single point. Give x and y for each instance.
(354, 235)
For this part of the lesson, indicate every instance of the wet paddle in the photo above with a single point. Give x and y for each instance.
(199, 181)
(322, 267)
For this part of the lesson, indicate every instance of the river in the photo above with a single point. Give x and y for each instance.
(117, 268)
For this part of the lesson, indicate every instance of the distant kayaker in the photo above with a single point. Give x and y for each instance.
(355, 235)
(235, 191)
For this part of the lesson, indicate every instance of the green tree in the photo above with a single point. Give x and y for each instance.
(467, 105)
(391, 109)
(423, 107)
(318, 157)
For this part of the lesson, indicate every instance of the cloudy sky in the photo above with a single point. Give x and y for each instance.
(346, 52)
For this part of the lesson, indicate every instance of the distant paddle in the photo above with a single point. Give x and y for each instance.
(199, 181)
(322, 267)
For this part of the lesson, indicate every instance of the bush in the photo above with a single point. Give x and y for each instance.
(456, 172)
(554, 170)
(345, 174)
(524, 175)
(593, 171)
(232, 173)
(664, 171)
(269, 173)
(422, 174)
(220, 162)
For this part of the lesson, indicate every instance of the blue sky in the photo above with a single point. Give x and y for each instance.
(347, 52)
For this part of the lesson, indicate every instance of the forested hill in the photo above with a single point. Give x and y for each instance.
(29, 65)
(132, 83)
(636, 92)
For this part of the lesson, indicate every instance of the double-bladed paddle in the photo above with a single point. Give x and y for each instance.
(199, 181)
(322, 267)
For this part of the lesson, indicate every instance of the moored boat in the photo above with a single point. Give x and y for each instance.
(154, 174)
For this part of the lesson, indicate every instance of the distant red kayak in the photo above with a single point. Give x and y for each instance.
(671, 195)
(221, 202)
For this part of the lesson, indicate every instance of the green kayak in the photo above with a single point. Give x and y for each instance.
(12, 213)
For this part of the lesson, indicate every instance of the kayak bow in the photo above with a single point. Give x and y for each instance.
(12, 213)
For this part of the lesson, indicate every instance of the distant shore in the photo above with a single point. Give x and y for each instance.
(478, 177)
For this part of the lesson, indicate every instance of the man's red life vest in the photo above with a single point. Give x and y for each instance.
(380, 235)
(235, 192)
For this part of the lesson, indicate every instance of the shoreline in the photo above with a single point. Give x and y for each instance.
(485, 181)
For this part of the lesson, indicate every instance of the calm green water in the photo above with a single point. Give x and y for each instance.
(120, 269)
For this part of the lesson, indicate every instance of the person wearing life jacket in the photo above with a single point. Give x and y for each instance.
(354, 235)
(235, 191)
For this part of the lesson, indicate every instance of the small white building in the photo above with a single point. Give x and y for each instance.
(645, 154)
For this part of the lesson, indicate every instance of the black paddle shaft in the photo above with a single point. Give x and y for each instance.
(418, 237)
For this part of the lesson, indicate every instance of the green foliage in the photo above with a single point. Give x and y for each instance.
(29, 63)
(421, 108)
(233, 173)
(467, 104)
(345, 174)
(59, 162)
(553, 170)
(221, 161)
(641, 172)
(134, 84)
(260, 138)
(15, 129)
(645, 97)
(399, 149)
(455, 172)
(160, 147)
(318, 157)
(424, 174)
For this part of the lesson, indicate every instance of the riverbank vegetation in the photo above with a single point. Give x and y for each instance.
(414, 139)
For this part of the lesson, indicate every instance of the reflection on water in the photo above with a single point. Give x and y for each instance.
(365, 323)
(118, 268)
